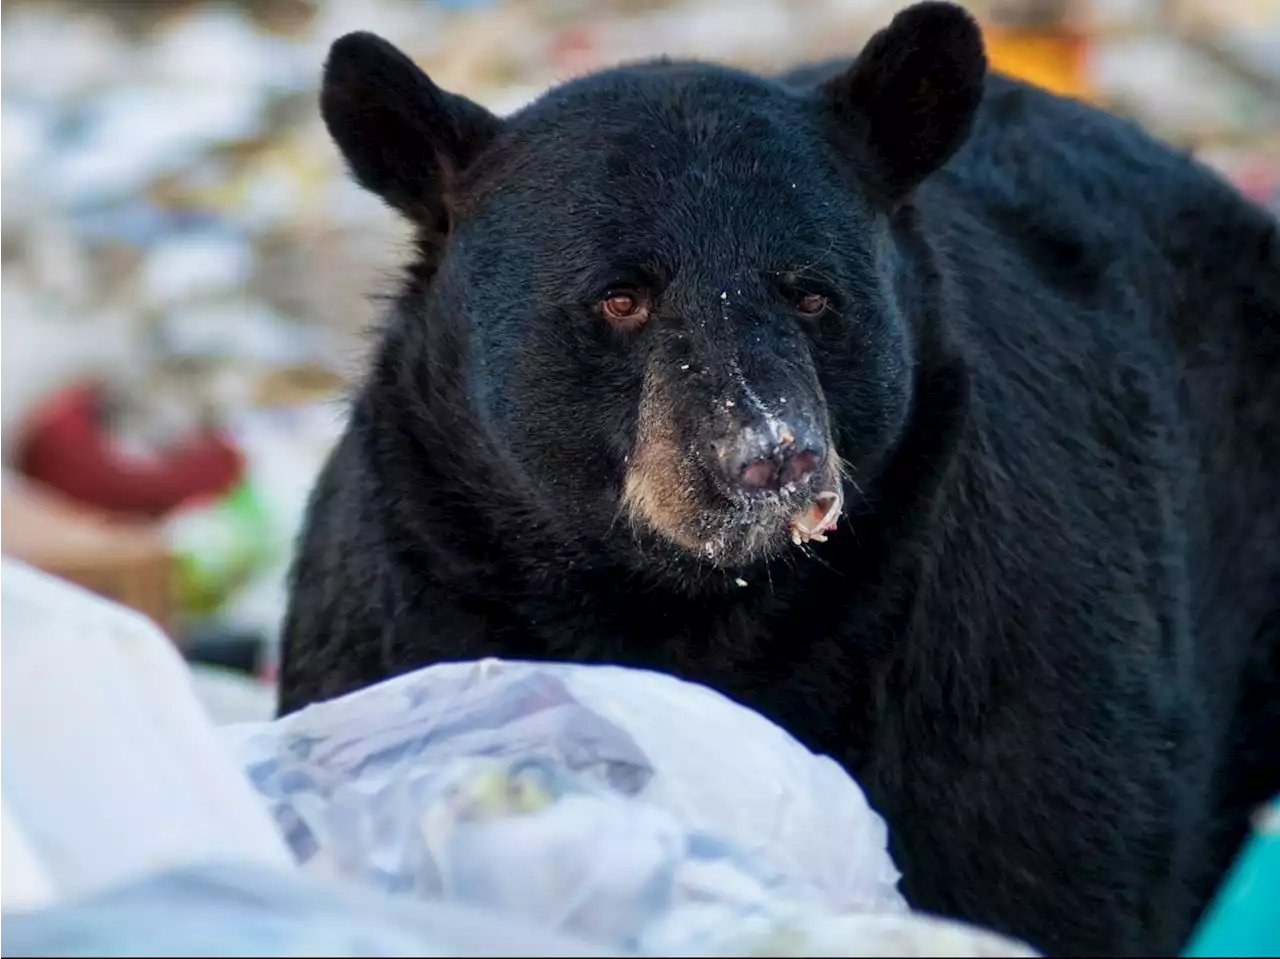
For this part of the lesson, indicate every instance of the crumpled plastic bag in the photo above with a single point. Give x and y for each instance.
(625, 807)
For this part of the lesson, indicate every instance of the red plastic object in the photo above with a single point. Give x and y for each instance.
(66, 446)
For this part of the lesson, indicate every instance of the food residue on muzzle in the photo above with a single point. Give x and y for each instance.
(813, 523)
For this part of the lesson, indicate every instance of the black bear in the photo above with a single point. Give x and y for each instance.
(933, 416)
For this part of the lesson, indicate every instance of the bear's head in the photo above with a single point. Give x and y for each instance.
(673, 288)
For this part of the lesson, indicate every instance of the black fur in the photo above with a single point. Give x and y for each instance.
(1044, 637)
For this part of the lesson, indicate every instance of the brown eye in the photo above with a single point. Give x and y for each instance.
(811, 304)
(625, 309)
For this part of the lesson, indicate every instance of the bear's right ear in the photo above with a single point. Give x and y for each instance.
(909, 101)
(401, 135)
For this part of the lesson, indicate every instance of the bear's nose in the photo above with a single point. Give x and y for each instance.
(761, 461)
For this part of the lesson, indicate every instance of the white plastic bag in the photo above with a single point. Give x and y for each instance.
(627, 808)
(111, 768)
(712, 764)
(26, 882)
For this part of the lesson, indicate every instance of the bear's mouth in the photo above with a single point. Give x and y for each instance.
(744, 528)
(813, 522)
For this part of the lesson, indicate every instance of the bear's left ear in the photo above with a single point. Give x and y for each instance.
(402, 136)
(909, 101)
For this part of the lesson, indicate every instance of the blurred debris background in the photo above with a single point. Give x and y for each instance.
(187, 270)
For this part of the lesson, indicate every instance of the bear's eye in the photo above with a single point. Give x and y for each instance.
(624, 309)
(811, 304)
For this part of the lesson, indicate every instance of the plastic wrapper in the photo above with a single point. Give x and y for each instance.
(627, 808)
(250, 910)
(1242, 920)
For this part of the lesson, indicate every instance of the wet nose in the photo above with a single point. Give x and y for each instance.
(760, 461)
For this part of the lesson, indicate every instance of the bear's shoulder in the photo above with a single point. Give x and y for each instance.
(1071, 161)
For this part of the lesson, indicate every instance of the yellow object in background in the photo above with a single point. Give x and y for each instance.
(1053, 58)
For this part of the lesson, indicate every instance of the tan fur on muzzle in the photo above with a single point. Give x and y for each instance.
(658, 490)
